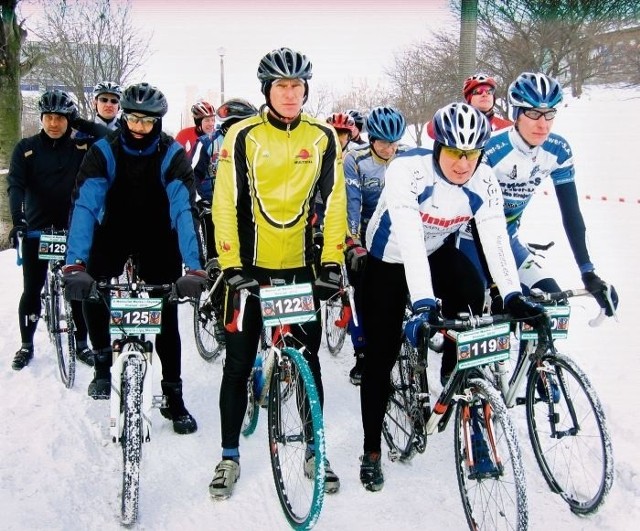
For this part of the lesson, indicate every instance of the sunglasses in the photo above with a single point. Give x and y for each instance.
(483, 90)
(470, 154)
(535, 114)
(102, 99)
(144, 120)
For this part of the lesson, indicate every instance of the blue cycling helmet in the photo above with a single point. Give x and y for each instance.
(386, 123)
(461, 126)
(533, 90)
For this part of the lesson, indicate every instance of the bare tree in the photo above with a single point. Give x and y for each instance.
(425, 78)
(558, 37)
(13, 64)
(83, 43)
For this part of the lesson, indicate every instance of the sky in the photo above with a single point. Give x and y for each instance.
(59, 469)
(347, 42)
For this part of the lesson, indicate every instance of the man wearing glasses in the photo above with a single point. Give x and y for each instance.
(427, 197)
(135, 195)
(107, 103)
(479, 91)
(522, 158)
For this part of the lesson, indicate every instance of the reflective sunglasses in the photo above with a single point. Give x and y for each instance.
(534, 114)
(144, 120)
(483, 90)
(102, 99)
(470, 154)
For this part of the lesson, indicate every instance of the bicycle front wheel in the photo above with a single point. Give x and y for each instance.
(488, 462)
(568, 431)
(62, 330)
(131, 439)
(295, 421)
(335, 336)
(207, 318)
(404, 421)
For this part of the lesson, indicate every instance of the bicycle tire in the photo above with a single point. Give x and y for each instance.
(131, 439)
(207, 316)
(295, 419)
(404, 423)
(63, 332)
(202, 236)
(577, 465)
(250, 420)
(334, 335)
(494, 498)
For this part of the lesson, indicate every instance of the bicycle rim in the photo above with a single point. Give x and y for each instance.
(334, 335)
(131, 439)
(295, 419)
(204, 328)
(494, 497)
(62, 327)
(403, 427)
(569, 435)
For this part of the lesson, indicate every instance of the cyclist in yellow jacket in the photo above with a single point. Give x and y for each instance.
(270, 168)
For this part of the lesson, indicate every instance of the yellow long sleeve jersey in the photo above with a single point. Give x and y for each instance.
(263, 202)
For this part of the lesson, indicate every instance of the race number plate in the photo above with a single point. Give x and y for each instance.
(52, 246)
(483, 345)
(559, 316)
(292, 303)
(135, 316)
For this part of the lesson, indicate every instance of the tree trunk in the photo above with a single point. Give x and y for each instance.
(10, 102)
(468, 28)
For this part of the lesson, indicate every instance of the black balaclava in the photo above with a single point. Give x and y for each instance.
(140, 144)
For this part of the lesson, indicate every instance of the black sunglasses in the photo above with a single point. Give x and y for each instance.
(102, 99)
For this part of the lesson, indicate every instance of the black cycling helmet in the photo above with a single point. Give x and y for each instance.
(58, 102)
(232, 111)
(107, 87)
(284, 63)
(145, 99)
(358, 118)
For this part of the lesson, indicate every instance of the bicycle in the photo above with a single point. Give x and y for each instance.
(208, 315)
(489, 468)
(134, 315)
(565, 419)
(57, 313)
(204, 216)
(281, 381)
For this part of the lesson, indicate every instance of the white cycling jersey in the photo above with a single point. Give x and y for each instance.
(418, 209)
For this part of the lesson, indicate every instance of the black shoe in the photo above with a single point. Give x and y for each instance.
(100, 388)
(22, 358)
(371, 475)
(355, 374)
(183, 422)
(85, 355)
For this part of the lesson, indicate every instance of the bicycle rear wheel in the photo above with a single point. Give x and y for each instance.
(335, 336)
(568, 431)
(488, 462)
(207, 317)
(131, 439)
(295, 420)
(62, 330)
(404, 422)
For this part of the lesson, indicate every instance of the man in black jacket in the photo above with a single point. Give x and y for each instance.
(135, 196)
(41, 178)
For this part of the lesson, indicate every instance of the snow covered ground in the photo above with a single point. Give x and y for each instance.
(59, 469)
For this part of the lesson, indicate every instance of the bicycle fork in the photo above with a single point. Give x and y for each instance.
(140, 353)
(475, 451)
